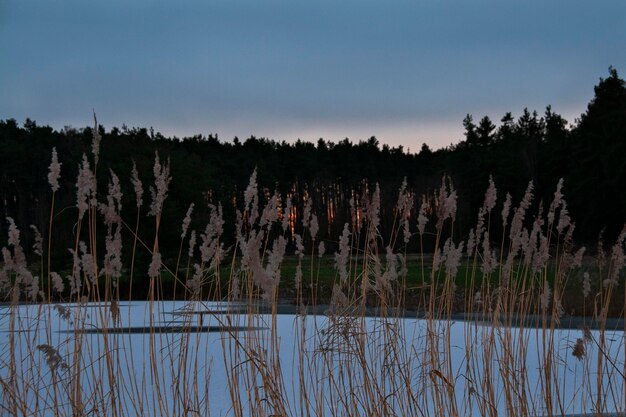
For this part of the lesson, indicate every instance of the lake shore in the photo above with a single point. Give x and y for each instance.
(286, 308)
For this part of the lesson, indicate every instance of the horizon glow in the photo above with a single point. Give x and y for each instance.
(406, 72)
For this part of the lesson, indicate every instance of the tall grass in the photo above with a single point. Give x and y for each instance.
(487, 341)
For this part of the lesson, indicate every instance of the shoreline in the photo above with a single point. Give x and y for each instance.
(286, 308)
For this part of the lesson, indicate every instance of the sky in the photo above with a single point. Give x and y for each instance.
(406, 72)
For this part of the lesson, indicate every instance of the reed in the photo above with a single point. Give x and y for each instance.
(484, 336)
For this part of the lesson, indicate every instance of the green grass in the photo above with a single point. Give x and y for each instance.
(320, 276)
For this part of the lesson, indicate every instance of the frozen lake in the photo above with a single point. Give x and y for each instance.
(173, 358)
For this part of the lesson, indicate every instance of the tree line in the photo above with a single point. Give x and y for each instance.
(589, 154)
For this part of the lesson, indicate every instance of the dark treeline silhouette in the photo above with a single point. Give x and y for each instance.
(590, 155)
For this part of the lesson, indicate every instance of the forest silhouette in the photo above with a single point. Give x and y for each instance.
(588, 153)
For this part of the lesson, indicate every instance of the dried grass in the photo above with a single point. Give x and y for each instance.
(361, 357)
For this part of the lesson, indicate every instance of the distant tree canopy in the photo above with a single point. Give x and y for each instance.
(590, 155)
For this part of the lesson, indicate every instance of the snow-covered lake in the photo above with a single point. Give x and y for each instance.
(198, 354)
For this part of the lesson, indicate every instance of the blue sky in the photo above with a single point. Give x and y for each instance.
(404, 71)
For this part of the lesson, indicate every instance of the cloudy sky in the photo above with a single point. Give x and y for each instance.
(404, 71)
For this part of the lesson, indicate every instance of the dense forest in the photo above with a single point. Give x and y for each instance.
(589, 154)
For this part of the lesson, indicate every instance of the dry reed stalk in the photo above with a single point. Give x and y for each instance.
(343, 363)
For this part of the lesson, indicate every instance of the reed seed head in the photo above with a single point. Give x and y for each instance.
(95, 143)
(53, 357)
(314, 227)
(57, 282)
(556, 202)
(54, 171)
(491, 196)
(506, 208)
(186, 221)
(84, 187)
(137, 185)
(321, 249)
(578, 350)
(341, 258)
(38, 245)
(155, 265)
(161, 183)
(192, 244)
(421, 218)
